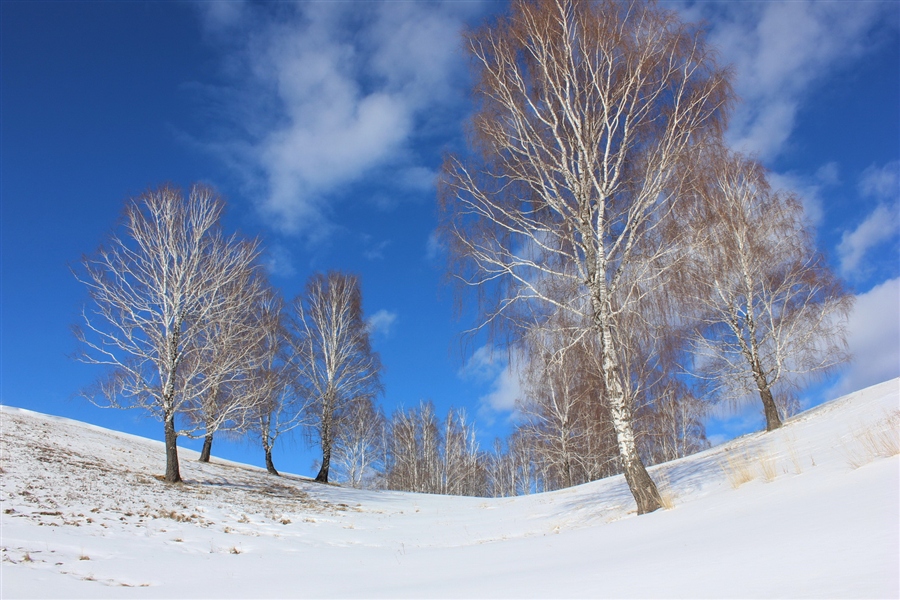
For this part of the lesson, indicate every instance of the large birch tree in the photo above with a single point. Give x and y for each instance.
(586, 114)
(156, 288)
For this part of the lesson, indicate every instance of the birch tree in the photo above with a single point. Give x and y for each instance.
(771, 312)
(587, 113)
(154, 288)
(357, 448)
(279, 407)
(434, 456)
(235, 347)
(331, 355)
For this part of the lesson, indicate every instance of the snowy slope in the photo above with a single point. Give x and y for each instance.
(83, 516)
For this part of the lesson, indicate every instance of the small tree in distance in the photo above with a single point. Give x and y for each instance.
(154, 290)
(770, 311)
(278, 408)
(358, 447)
(235, 349)
(331, 356)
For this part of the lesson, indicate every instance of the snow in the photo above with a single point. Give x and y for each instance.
(84, 517)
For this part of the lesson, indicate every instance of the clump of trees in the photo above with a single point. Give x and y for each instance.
(333, 361)
(173, 305)
(642, 269)
(191, 332)
(608, 233)
(425, 453)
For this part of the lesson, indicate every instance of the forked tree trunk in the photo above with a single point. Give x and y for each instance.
(270, 466)
(173, 474)
(322, 477)
(207, 448)
(639, 482)
(773, 421)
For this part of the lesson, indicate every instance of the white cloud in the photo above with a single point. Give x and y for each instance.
(382, 322)
(505, 391)
(278, 261)
(808, 189)
(881, 225)
(218, 18)
(500, 372)
(881, 182)
(780, 51)
(482, 366)
(339, 90)
(434, 247)
(874, 338)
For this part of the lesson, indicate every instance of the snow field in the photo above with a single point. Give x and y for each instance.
(810, 510)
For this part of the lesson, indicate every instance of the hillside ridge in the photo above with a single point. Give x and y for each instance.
(83, 516)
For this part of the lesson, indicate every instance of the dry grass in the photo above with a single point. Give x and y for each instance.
(767, 467)
(742, 468)
(738, 469)
(666, 494)
(795, 459)
(880, 440)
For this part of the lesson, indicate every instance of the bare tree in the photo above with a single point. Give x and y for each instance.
(512, 467)
(556, 409)
(463, 465)
(154, 290)
(357, 445)
(771, 312)
(279, 407)
(414, 450)
(670, 422)
(587, 115)
(433, 456)
(235, 347)
(333, 360)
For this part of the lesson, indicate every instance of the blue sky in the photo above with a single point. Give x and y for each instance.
(323, 124)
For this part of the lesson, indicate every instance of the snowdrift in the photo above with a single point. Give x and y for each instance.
(807, 511)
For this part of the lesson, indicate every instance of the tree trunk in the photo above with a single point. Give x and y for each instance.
(639, 482)
(270, 466)
(773, 421)
(322, 477)
(207, 448)
(173, 474)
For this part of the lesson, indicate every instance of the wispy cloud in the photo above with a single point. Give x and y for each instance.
(374, 250)
(780, 51)
(882, 224)
(434, 247)
(881, 183)
(382, 322)
(500, 373)
(278, 261)
(874, 338)
(339, 90)
(808, 188)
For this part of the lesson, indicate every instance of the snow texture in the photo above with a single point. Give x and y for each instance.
(84, 515)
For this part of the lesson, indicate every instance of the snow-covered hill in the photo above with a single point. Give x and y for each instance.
(807, 511)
